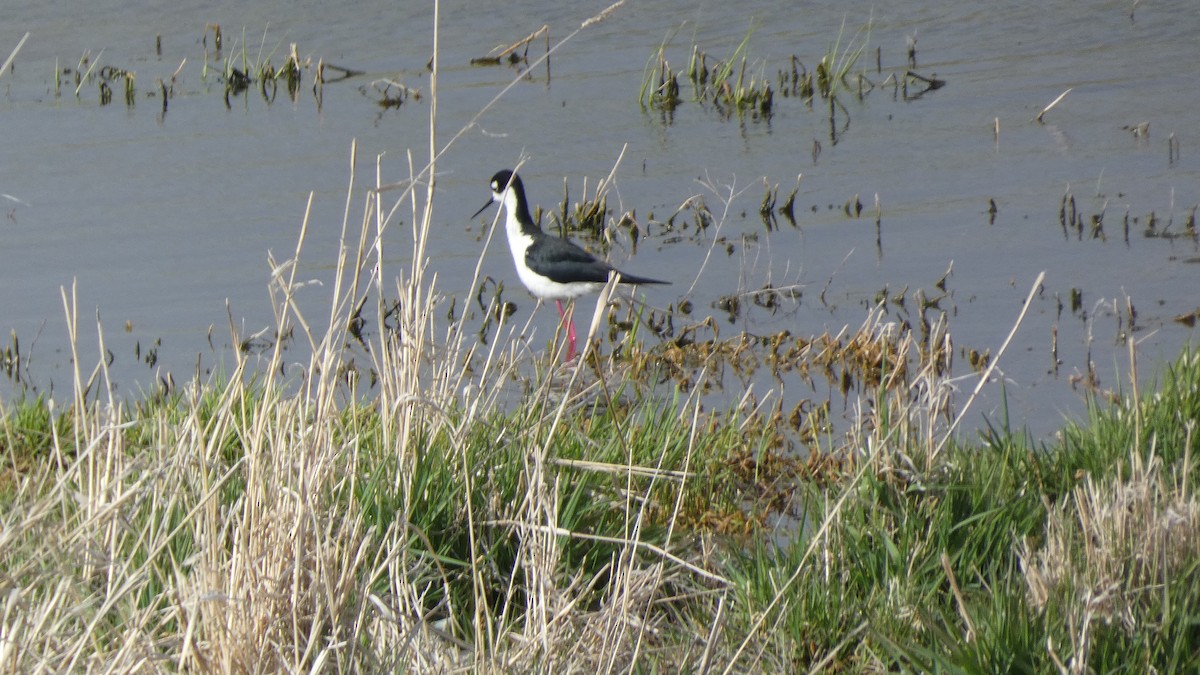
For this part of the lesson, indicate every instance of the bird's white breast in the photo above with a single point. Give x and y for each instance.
(540, 286)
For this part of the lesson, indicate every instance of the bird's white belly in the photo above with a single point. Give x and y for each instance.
(542, 287)
(538, 285)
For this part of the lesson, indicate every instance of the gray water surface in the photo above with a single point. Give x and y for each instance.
(160, 219)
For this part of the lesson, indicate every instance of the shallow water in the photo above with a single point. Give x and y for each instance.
(161, 218)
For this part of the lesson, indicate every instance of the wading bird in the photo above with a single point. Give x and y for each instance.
(550, 267)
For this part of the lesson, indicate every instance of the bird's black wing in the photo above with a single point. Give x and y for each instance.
(564, 262)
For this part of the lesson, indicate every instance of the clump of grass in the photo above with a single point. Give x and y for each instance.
(660, 84)
(107, 77)
(716, 84)
(737, 85)
(797, 80)
(240, 71)
(587, 214)
(767, 208)
(1106, 552)
(835, 66)
(10, 360)
(110, 74)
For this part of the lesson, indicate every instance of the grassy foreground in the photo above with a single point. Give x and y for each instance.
(236, 528)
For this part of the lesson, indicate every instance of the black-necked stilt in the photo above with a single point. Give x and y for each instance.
(550, 267)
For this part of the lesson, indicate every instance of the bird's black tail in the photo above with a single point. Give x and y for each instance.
(636, 280)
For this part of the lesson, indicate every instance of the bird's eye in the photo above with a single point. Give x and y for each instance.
(495, 186)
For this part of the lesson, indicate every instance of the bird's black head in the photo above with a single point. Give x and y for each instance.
(503, 179)
(500, 182)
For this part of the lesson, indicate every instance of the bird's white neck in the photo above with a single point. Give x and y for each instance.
(518, 239)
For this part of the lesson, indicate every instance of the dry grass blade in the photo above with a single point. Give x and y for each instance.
(607, 12)
(1052, 104)
(501, 52)
(13, 54)
(88, 73)
(605, 467)
(987, 373)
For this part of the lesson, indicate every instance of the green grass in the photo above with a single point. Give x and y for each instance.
(995, 555)
(729, 88)
(835, 66)
(1119, 600)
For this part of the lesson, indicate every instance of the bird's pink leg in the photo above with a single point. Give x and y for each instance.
(569, 320)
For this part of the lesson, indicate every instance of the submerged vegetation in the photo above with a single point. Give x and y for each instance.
(737, 85)
(238, 71)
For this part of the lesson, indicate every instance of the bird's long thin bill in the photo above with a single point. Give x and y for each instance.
(483, 208)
